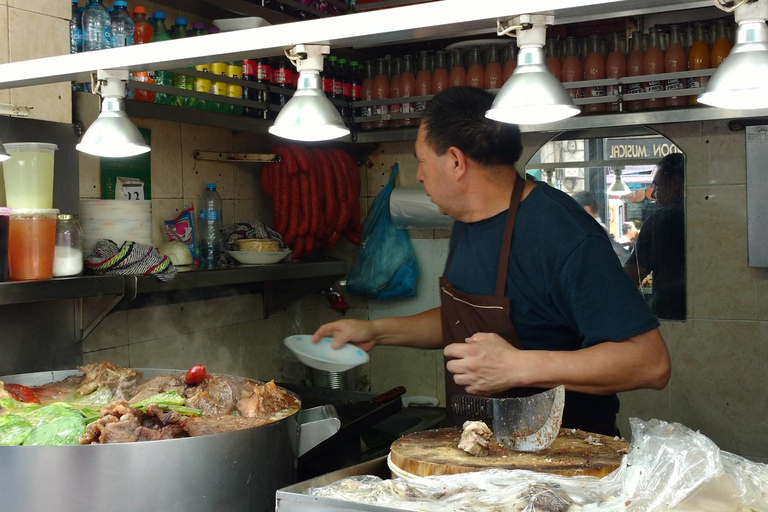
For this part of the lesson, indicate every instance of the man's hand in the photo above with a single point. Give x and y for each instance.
(358, 332)
(485, 364)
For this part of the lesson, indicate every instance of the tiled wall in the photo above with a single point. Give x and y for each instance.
(32, 29)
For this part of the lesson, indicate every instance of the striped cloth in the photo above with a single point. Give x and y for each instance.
(129, 259)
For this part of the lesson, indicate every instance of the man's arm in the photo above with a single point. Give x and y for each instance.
(421, 331)
(487, 364)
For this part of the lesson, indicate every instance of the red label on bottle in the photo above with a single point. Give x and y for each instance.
(357, 92)
(338, 88)
(327, 85)
(263, 72)
(346, 90)
(249, 68)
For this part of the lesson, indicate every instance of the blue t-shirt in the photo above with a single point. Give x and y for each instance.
(567, 288)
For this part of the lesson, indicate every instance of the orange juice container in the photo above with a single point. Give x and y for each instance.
(722, 46)
(31, 244)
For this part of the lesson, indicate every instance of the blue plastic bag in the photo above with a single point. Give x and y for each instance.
(385, 266)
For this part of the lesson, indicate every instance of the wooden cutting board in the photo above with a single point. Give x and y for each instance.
(573, 453)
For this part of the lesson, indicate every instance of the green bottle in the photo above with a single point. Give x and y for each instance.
(181, 81)
(162, 77)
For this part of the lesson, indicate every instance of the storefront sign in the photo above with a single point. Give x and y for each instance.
(639, 148)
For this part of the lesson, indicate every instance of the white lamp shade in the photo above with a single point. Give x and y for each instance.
(741, 81)
(309, 115)
(3, 155)
(113, 135)
(532, 95)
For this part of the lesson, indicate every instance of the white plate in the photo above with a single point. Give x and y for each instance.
(481, 43)
(258, 258)
(231, 24)
(321, 356)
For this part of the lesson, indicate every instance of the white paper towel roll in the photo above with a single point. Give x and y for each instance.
(410, 207)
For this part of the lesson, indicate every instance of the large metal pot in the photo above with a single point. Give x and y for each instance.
(231, 472)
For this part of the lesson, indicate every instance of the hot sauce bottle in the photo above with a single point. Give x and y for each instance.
(615, 67)
(458, 75)
(674, 62)
(635, 68)
(440, 75)
(511, 62)
(571, 68)
(475, 74)
(407, 89)
(594, 70)
(394, 92)
(380, 92)
(653, 64)
(553, 61)
(366, 94)
(423, 85)
(698, 58)
(493, 73)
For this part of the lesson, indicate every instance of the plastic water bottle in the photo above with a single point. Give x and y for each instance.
(97, 27)
(122, 25)
(210, 228)
(181, 81)
(160, 33)
(75, 30)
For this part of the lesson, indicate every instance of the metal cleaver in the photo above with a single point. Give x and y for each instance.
(525, 424)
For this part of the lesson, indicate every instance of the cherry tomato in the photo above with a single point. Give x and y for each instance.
(196, 375)
(22, 393)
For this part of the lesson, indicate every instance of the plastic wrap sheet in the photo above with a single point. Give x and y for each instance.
(411, 207)
(669, 468)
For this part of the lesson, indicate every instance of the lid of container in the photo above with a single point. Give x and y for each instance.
(4, 210)
(158, 15)
(34, 213)
(213, 30)
(139, 9)
(210, 186)
(17, 147)
(121, 3)
(67, 216)
(181, 21)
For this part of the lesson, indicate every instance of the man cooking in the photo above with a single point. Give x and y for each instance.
(532, 295)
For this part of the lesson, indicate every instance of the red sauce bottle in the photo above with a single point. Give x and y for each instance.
(594, 70)
(458, 75)
(423, 85)
(493, 76)
(407, 89)
(553, 61)
(615, 67)
(635, 68)
(475, 73)
(675, 62)
(395, 92)
(366, 94)
(571, 68)
(653, 64)
(440, 76)
(510, 62)
(380, 92)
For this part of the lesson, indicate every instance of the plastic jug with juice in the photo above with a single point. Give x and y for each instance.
(31, 244)
(28, 175)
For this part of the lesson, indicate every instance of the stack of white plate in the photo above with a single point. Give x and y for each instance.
(119, 221)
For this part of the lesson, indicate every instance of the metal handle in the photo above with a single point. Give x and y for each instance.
(316, 425)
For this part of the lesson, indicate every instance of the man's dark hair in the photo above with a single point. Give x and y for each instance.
(672, 166)
(456, 117)
(586, 198)
(626, 227)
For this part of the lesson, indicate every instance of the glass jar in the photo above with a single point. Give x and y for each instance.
(68, 253)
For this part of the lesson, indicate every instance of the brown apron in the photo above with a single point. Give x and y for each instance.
(462, 315)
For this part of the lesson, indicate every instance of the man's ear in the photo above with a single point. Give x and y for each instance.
(456, 162)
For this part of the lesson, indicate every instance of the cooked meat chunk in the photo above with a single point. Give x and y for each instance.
(215, 395)
(159, 384)
(120, 423)
(120, 380)
(475, 438)
(266, 400)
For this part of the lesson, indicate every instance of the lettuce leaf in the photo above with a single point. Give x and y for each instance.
(14, 430)
(16, 407)
(50, 413)
(164, 398)
(101, 396)
(62, 431)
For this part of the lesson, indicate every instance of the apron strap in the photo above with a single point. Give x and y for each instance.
(509, 228)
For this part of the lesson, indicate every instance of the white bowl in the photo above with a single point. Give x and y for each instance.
(321, 356)
(258, 258)
(230, 24)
